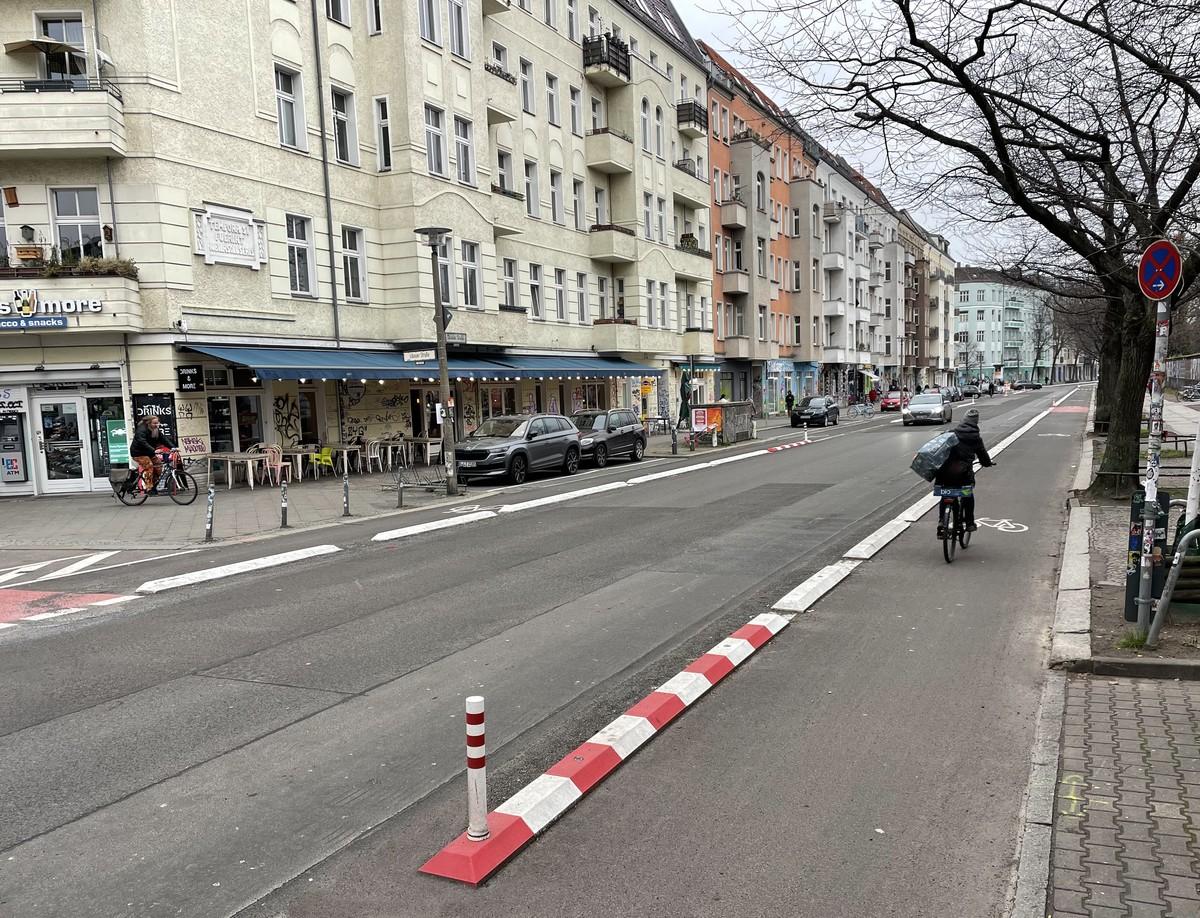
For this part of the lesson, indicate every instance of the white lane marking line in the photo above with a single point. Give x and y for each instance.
(562, 498)
(541, 801)
(871, 545)
(1020, 432)
(113, 567)
(669, 473)
(7, 625)
(803, 597)
(112, 602)
(26, 569)
(241, 567)
(27, 564)
(79, 565)
(42, 616)
(432, 526)
(724, 460)
(1065, 397)
(897, 421)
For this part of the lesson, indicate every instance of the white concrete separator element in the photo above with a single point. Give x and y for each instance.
(869, 546)
(688, 686)
(735, 649)
(772, 621)
(803, 597)
(241, 567)
(562, 498)
(919, 509)
(738, 458)
(625, 734)
(433, 526)
(541, 801)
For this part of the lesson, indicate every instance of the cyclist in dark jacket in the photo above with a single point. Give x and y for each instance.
(959, 470)
(147, 439)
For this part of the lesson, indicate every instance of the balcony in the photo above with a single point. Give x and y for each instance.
(832, 212)
(611, 243)
(875, 240)
(736, 283)
(833, 261)
(502, 101)
(934, 333)
(692, 262)
(862, 272)
(616, 335)
(860, 225)
(835, 354)
(739, 347)
(1014, 323)
(733, 215)
(606, 61)
(698, 342)
(862, 314)
(608, 150)
(875, 280)
(692, 118)
(77, 300)
(508, 211)
(688, 188)
(910, 259)
(493, 7)
(833, 308)
(60, 118)
(862, 355)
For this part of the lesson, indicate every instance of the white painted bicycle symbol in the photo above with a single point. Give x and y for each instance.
(1002, 525)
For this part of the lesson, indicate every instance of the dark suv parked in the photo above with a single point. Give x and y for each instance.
(515, 445)
(604, 435)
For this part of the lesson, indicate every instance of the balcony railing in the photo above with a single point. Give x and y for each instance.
(494, 68)
(687, 165)
(607, 51)
(691, 114)
(72, 85)
(605, 227)
(592, 132)
(508, 192)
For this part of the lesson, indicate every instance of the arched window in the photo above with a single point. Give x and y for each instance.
(817, 220)
(646, 125)
(658, 130)
(760, 191)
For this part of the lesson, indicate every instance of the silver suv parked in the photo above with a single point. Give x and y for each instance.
(607, 434)
(515, 445)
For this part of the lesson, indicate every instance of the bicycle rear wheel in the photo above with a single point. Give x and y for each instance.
(964, 538)
(131, 493)
(949, 533)
(182, 488)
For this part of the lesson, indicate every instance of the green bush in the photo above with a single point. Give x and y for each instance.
(107, 267)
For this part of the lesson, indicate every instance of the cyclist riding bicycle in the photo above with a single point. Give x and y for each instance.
(148, 441)
(959, 470)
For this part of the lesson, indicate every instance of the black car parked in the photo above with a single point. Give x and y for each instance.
(815, 409)
(604, 435)
(515, 445)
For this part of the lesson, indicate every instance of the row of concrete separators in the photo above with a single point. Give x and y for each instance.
(531, 810)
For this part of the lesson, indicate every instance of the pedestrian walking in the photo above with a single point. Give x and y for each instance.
(789, 400)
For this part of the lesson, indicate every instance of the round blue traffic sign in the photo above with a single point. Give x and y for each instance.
(1160, 270)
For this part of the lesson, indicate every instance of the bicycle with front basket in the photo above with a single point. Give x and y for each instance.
(174, 481)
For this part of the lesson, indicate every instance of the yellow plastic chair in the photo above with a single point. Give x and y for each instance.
(322, 460)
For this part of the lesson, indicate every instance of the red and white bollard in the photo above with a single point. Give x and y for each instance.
(806, 433)
(477, 825)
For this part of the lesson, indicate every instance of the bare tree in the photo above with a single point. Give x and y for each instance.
(1073, 126)
(1041, 329)
(970, 355)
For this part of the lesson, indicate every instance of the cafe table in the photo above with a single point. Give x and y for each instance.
(346, 449)
(297, 454)
(231, 460)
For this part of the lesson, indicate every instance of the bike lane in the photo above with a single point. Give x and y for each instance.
(871, 760)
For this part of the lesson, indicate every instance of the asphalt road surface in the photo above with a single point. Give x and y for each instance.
(296, 733)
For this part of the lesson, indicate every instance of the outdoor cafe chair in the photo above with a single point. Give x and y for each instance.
(323, 459)
(374, 455)
(275, 466)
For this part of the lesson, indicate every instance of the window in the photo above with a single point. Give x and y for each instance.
(619, 298)
(345, 134)
(577, 204)
(288, 108)
(597, 114)
(354, 269)
(762, 323)
(576, 112)
(500, 55)
(797, 276)
(548, 14)
(738, 265)
(527, 86)
(464, 151)
(761, 256)
(979, 314)
(980, 295)
(374, 17)
(338, 11)
(979, 335)
(602, 295)
(662, 304)
(717, 254)
(460, 38)
(601, 195)
(300, 254)
(435, 142)
(383, 136)
(504, 170)
(77, 224)
(572, 20)
(796, 221)
(816, 275)
(428, 14)
(646, 125)
(658, 131)
(446, 273)
(556, 196)
(581, 297)
(535, 291)
(533, 206)
(661, 220)
(760, 191)
(964, 296)
(67, 30)
(470, 274)
(552, 98)
(647, 204)
(654, 60)
(560, 294)
(649, 302)
(887, 270)
(593, 22)
(510, 283)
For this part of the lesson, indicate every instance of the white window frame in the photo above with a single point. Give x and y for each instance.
(354, 264)
(528, 98)
(658, 131)
(553, 113)
(647, 214)
(429, 15)
(573, 20)
(435, 139)
(578, 191)
(533, 203)
(559, 288)
(576, 97)
(459, 20)
(662, 304)
(510, 270)
(645, 125)
(469, 262)
(537, 292)
(660, 219)
(75, 220)
(342, 8)
(602, 295)
(557, 210)
(383, 133)
(464, 151)
(347, 119)
(449, 289)
(650, 302)
(296, 101)
(583, 314)
(504, 173)
(295, 245)
(374, 17)
(550, 13)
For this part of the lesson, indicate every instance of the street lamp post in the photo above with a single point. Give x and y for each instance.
(435, 237)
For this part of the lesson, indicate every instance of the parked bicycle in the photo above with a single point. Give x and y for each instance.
(861, 410)
(951, 528)
(174, 481)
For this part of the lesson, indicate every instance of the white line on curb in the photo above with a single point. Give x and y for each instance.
(228, 570)
(804, 596)
(418, 528)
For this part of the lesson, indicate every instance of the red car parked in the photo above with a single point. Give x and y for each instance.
(894, 401)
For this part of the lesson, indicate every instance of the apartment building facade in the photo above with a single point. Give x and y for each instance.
(210, 217)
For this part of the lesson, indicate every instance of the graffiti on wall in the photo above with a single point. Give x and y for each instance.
(287, 419)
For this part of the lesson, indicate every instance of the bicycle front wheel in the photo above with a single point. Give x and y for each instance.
(182, 488)
(950, 533)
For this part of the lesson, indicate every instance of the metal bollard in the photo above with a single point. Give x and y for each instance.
(714, 436)
(208, 514)
(399, 491)
(283, 523)
(806, 433)
(477, 824)
(345, 493)
(754, 430)
(675, 443)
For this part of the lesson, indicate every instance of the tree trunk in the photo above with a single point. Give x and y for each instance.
(1125, 419)
(1111, 349)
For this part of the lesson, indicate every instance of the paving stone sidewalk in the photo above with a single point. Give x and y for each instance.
(1127, 809)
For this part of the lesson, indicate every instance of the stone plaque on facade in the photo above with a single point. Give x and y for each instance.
(230, 236)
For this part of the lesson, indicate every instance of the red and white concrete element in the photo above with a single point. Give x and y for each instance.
(524, 815)
(477, 827)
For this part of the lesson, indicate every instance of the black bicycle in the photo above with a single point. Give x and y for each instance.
(174, 481)
(951, 529)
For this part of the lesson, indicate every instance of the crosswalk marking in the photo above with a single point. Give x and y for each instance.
(78, 565)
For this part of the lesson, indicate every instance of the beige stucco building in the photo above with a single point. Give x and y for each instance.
(209, 211)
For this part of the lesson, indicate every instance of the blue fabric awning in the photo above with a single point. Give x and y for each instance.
(315, 363)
